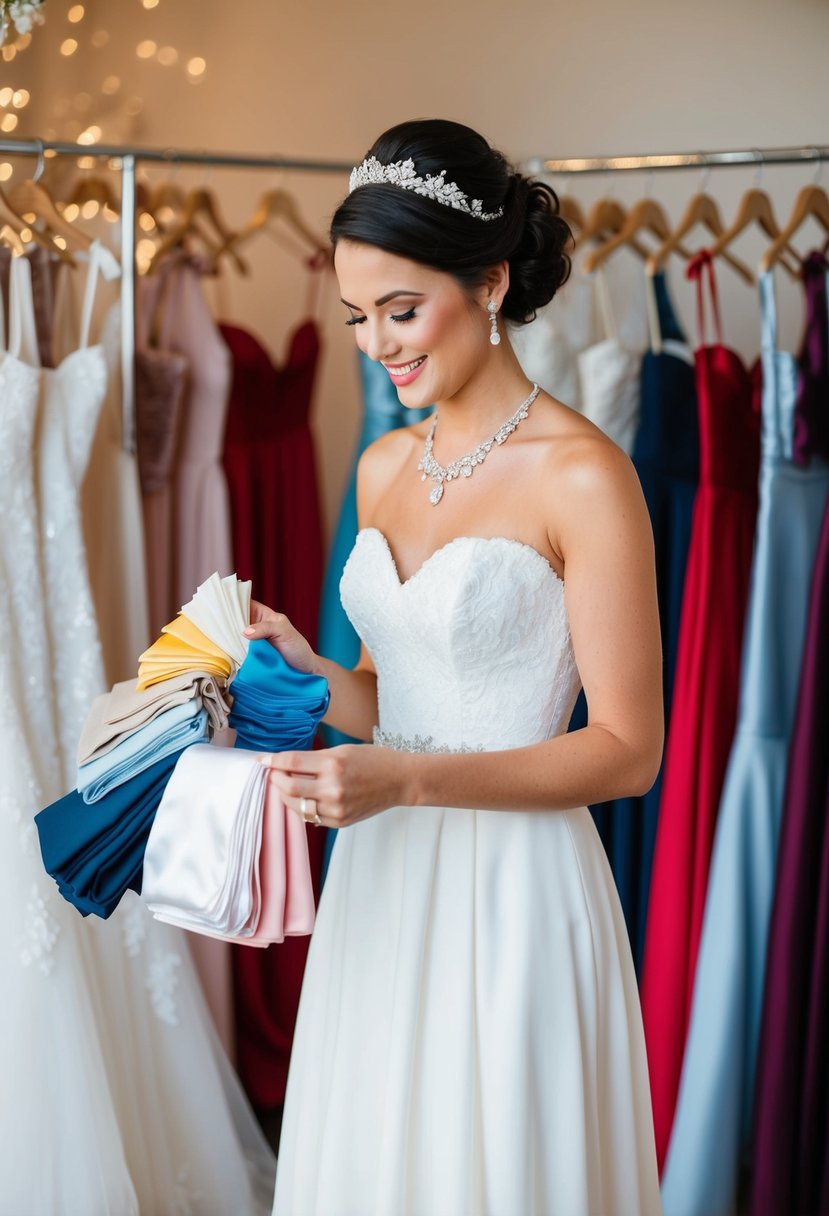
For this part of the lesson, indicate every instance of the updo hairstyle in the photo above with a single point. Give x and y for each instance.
(530, 235)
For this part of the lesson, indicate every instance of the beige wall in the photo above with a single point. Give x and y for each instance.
(321, 79)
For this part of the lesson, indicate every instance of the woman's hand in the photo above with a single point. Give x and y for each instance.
(278, 630)
(342, 784)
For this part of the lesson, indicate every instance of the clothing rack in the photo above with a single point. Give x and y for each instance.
(126, 159)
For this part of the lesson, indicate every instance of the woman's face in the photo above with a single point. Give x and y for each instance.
(429, 333)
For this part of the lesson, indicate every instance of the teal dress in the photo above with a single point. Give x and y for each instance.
(382, 412)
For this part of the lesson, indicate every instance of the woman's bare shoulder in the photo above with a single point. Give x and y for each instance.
(578, 452)
(383, 461)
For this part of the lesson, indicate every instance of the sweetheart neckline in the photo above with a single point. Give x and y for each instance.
(505, 540)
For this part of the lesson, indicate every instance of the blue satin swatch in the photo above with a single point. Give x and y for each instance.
(178, 727)
(275, 708)
(96, 853)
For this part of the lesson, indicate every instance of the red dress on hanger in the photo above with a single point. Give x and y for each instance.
(706, 691)
(276, 526)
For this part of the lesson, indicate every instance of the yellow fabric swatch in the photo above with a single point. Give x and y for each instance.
(186, 649)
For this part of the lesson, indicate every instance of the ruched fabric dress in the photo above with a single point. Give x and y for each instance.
(705, 695)
(790, 1143)
(270, 464)
(712, 1122)
(666, 457)
(469, 1037)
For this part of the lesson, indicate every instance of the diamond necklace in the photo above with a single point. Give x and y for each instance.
(464, 466)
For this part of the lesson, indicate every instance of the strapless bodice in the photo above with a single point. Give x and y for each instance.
(473, 650)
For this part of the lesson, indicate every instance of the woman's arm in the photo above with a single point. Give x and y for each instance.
(353, 707)
(603, 534)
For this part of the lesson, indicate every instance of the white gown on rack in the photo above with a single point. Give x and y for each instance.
(116, 1099)
(469, 1036)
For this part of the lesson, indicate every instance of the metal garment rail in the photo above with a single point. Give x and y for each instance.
(807, 154)
(125, 160)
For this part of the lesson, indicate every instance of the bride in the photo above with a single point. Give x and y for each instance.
(469, 1036)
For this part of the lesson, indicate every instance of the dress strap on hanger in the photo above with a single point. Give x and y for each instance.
(700, 265)
(768, 311)
(605, 303)
(22, 326)
(317, 265)
(101, 261)
(652, 308)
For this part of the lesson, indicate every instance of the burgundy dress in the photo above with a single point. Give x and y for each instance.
(791, 1112)
(277, 543)
(706, 691)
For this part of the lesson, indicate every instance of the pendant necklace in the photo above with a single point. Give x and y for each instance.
(464, 466)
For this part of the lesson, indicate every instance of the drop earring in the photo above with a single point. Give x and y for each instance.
(494, 336)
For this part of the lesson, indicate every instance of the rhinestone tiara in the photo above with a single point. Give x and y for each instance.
(401, 173)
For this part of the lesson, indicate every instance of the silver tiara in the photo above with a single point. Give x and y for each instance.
(402, 173)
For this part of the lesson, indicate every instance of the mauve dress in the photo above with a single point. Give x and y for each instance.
(160, 379)
(270, 464)
(199, 516)
(791, 1113)
(706, 691)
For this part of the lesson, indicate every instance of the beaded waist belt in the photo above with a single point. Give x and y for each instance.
(417, 743)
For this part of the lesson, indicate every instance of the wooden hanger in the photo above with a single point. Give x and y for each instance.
(570, 210)
(605, 218)
(277, 204)
(200, 203)
(14, 225)
(646, 215)
(812, 201)
(95, 188)
(32, 197)
(756, 208)
(701, 209)
(167, 194)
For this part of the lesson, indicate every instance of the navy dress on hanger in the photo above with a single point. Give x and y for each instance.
(666, 457)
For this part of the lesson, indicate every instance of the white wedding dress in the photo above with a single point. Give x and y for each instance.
(115, 1097)
(469, 1038)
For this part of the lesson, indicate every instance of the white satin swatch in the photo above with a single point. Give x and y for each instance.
(201, 867)
(221, 610)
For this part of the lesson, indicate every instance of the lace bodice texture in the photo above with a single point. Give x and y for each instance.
(473, 650)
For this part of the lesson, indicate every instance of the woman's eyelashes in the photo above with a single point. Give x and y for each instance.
(403, 316)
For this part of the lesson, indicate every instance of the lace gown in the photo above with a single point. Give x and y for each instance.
(115, 1096)
(469, 1036)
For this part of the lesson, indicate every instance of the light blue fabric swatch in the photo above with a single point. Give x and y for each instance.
(169, 732)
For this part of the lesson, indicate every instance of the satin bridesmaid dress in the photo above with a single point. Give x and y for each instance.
(704, 708)
(790, 1144)
(666, 457)
(712, 1122)
(270, 464)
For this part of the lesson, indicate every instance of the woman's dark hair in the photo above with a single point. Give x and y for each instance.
(530, 235)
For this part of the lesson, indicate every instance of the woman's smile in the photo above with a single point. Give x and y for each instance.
(405, 373)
